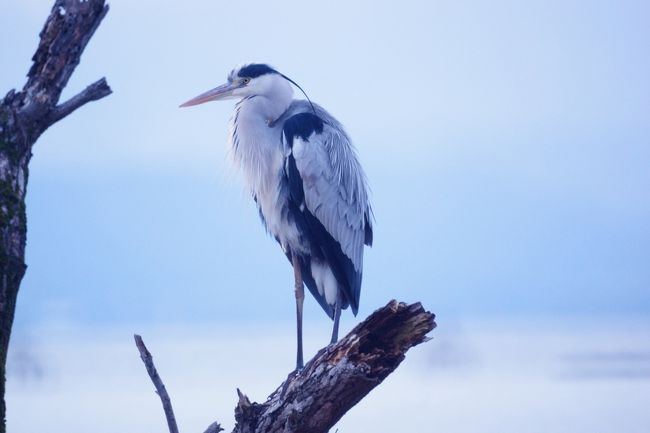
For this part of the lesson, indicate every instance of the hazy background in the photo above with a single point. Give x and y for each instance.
(508, 149)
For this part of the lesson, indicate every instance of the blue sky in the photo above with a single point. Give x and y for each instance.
(507, 145)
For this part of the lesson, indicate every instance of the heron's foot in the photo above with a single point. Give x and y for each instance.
(290, 377)
(295, 372)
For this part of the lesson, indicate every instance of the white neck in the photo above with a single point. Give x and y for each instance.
(256, 148)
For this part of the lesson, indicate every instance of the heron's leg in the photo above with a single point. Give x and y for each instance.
(300, 297)
(337, 317)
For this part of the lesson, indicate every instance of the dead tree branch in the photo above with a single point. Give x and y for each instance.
(95, 91)
(146, 357)
(24, 116)
(315, 398)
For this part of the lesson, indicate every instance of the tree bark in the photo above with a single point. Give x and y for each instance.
(24, 116)
(339, 376)
(315, 398)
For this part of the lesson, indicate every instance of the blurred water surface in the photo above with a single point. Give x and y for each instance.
(581, 374)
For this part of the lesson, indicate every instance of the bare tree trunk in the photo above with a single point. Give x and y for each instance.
(24, 116)
(315, 398)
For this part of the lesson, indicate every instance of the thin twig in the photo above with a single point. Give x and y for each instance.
(158, 383)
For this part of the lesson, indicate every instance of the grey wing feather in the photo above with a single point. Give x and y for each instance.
(335, 186)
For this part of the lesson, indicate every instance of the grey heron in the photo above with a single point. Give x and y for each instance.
(306, 179)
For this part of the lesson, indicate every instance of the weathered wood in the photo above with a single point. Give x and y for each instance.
(147, 359)
(24, 116)
(339, 376)
(315, 398)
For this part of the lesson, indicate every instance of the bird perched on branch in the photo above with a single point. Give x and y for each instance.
(306, 180)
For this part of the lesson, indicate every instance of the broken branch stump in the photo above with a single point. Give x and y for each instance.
(315, 398)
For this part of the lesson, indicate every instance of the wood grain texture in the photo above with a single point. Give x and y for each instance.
(315, 398)
(339, 376)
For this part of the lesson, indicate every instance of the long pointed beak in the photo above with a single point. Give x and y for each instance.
(221, 92)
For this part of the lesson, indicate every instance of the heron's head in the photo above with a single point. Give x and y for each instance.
(255, 79)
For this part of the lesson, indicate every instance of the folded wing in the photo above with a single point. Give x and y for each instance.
(328, 188)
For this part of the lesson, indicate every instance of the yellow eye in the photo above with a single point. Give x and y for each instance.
(246, 80)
